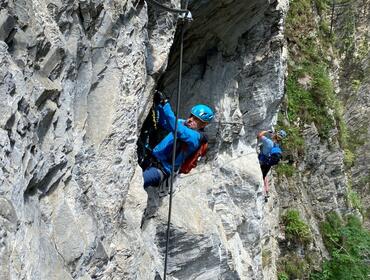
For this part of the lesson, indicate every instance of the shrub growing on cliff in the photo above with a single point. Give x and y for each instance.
(311, 102)
(349, 247)
(293, 267)
(295, 228)
(285, 169)
(293, 145)
(283, 276)
(354, 200)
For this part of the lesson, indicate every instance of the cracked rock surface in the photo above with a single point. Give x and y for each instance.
(76, 84)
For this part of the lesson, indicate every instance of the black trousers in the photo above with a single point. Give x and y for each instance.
(265, 169)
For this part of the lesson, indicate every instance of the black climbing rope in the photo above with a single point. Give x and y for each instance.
(185, 15)
(182, 30)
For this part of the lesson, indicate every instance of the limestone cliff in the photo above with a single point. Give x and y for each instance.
(354, 91)
(326, 112)
(76, 84)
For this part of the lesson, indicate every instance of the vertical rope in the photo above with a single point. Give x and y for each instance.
(182, 30)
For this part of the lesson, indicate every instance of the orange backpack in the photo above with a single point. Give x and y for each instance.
(192, 160)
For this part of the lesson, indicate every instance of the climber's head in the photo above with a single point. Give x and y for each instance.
(200, 116)
(280, 135)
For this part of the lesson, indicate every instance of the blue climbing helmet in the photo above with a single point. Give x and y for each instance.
(281, 133)
(202, 112)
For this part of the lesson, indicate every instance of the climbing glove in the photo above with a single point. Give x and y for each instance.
(160, 98)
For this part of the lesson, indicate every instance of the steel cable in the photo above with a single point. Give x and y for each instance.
(182, 31)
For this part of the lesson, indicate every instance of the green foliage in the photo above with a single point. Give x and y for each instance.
(294, 143)
(299, 15)
(346, 35)
(331, 231)
(309, 90)
(349, 247)
(324, 33)
(355, 48)
(293, 267)
(324, 29)
(321, 5)
(354, 200)
(283, 276)
(356, 84)
(295, 228)
(349, 157)
(285, 169)
(363, 48)
(311, 103)
(325, 274)
(311, 98)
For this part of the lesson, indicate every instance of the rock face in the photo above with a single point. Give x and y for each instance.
(325, 170)
(76, 80)
(317, 188)
(358, 119)
(355, 90)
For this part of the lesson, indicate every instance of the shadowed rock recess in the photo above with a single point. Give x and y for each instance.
(76, 84)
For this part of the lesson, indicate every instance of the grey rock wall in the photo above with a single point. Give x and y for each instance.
(317, 188)
(356, 95)
(322, 183)
(240, 74)
(76, 79)
(358, 119)
(74, 87)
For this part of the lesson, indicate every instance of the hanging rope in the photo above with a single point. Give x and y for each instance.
(185, 15)
(182, 30)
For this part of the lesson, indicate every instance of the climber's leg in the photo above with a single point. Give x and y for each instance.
(152, 177)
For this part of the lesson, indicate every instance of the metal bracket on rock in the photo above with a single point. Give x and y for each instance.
(186, 16)
(183, 13)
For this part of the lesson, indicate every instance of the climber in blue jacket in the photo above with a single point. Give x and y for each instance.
(188, 132)
(270, 153)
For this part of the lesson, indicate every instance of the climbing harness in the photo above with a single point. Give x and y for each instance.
(273, 157)
(154, 118)
(184, 15)
(145, 141)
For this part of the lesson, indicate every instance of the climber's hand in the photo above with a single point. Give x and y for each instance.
(160, 98)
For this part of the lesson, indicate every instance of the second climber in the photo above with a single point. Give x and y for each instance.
(270, 153)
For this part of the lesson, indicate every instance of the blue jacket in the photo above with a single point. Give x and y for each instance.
(267, 145)
(163, 151)
(270, 153)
